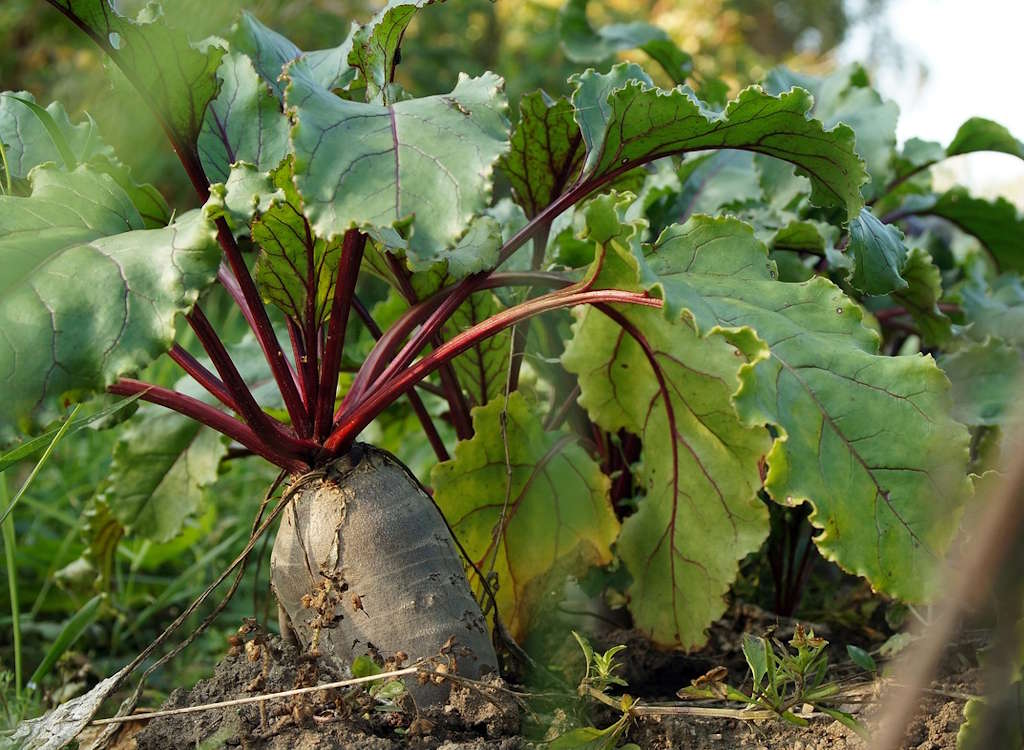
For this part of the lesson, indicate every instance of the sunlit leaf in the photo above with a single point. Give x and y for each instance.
(867, 439)
(699, 513)
(88, 295)
(244, 123)
(558, 518)
(625, 121)
(417, 171)
(177, 77)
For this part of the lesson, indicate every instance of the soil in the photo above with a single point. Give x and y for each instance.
(488, 717)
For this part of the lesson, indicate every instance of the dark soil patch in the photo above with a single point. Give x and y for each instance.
(479, 718)
(489, 718)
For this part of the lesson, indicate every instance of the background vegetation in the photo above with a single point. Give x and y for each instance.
(62, 542)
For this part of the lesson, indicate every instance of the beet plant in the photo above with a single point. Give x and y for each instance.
(637, 315)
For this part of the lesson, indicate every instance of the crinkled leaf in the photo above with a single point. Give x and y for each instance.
(161, 463)
(90, 295)
(845, 96)
(699, 513)
(997, 224)
(296, 269)
(558, 518)
(986, 381)
(922, 295)
(867, 439)
(425, 162)
(147, 199)
(375, 45)
(625, 121)
(585, 44)
(270, 52)
(247, 193)
(27, 141)
(476, 250)
(178, 78)
(879, 255)
(244, 123)
(546, 151)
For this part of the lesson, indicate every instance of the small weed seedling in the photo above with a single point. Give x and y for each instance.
(783, 679)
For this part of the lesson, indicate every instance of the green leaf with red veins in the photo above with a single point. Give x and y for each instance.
(483, 368)
(295, 269)
(625, 121)
(698, 514)
(546, 153)
(413, 173)
(868, 440)
(88, 294)
(558, 519)
(375, 45)
(178, 78)
(244, 123)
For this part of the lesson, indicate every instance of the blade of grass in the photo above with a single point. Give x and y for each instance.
(70, 633)
(42, 460)
(48, 580)
(7, 528)
(33, 446)
(140, 618)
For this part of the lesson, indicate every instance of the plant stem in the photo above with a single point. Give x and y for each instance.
(376, 361)
(454, 394)
(214, 385)
(258, 420)
(474, 283)
(264, 331)
(341, 304)
(418, 407)
(9, 540)
(382, 397)
(209, 416)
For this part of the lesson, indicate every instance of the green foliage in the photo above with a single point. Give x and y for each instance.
(784, 679)
(526, 503)
(751, 291)
(86, 234)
